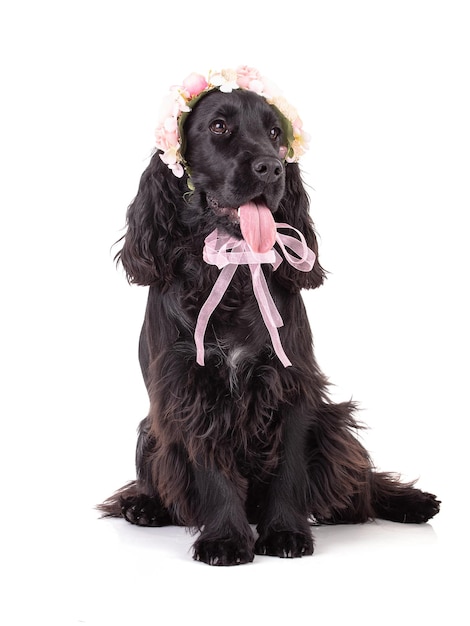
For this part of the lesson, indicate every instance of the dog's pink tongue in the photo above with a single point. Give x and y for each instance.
(257, 226)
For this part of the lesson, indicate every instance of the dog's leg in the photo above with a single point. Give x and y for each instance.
(284, 529)
(226, 537)
(345, 488)
(138, 502)
(145, 507)
(193, 467)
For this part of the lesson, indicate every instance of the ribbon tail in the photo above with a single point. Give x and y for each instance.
(269, 312)
(209, 306)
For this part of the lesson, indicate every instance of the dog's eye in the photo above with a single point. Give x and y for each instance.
(274, 133)
(218, 127)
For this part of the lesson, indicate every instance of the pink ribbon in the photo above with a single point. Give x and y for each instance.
(227, 253)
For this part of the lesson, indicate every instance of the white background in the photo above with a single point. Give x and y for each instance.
(383, 89)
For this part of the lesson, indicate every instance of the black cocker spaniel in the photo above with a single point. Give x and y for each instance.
(241, 430)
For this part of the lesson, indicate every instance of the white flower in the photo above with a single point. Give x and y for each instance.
(224, 83)
(177, 169)
(171, 156)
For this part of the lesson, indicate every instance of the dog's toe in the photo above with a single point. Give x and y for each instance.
(143, 510)
(285, 544)
(424, 508)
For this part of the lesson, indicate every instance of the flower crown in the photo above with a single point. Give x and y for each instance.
(179, 102)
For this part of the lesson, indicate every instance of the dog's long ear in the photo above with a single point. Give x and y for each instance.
(148, 255)
(294, 210)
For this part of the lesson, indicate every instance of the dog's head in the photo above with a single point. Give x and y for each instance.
(232, 159)
(235, 148)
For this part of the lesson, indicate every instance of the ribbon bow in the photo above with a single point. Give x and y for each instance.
(227, 253)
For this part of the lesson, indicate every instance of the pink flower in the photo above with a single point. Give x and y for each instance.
(194, 84)
(248, 77)
(166, 137)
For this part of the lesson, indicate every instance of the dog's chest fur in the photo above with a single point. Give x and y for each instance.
(236, 324)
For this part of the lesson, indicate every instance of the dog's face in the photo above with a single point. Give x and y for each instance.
(234, 149)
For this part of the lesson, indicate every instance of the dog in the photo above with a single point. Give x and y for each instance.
(241, 432)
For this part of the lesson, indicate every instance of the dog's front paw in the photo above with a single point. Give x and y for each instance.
(226, 551)
(285, 544)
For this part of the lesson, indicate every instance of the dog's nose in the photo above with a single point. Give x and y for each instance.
(267, 169)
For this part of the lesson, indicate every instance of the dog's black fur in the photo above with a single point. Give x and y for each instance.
(242, 440)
